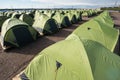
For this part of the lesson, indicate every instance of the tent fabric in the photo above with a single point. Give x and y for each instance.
(2, 19)
(85, 14)
(105, 18)
(15, 15)
(62, 20)
(45, 25)
(72, 17)
(78, 15)
(9, 14)
(15, 31)
(100, 32)
(65, 60)
(37, 15)
(50, 14)
(31, 14)
(26, 18)
(104, 64)
(47, 65)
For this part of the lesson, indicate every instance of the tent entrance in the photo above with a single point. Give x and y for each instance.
(22, 35)
(74, 19)
(66, 21)
(50, 27)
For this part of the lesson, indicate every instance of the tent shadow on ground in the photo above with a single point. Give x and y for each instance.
(115, 18)
(32, 48)
(64, 32)
(117, 26)
(25, 54)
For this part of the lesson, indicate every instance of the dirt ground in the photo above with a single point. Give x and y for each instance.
(15, 60)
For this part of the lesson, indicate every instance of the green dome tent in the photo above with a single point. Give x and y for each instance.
(106, 15)
(72, 17)
(91, 13)
(68, 60)
(9, 14)
(15, 15)
(37, 14)
(105, 18)
(85, 14)
(50, 14)
(78, 15)
(45, 25)
(31, 14)
(26, 18)
(16, 33)
(62, 20)
(2, 19)
(105, 65)
(100, 32)
(65, 60)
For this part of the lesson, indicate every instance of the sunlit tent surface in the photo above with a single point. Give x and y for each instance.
(15, 15)
(9, 14)
(104, 64)
(72, 17)
(65, 60)
(37, 15)
(46, 25)
(17, 33)
(62, 20)
(78, 15)
(85, 14)
(105, 18)
(100, 32)
(26, 18)
(49, 13)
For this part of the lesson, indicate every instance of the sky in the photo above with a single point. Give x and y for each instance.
(57, 3)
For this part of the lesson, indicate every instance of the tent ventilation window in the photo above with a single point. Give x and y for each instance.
(58, 64)
(88, 28)
(23, 77)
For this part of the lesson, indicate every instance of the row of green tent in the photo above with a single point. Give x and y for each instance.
(86, 54)
(22, 29)
(30, 16)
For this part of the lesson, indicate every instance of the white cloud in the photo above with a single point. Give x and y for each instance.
(65, 2)
(74, 2)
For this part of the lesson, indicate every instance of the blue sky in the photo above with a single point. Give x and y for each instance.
(56, 3)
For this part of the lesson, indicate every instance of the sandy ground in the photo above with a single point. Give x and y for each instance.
(15, 60)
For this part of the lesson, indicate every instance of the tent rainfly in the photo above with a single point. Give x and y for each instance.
(15, 15)
(105, 18)
(62, 20)
(78, 15)
(104, 64)
(45, 25)
(72, 17)
(91, 61)
(100, 32)
(16, 33)
(37, 15)
(65, 60)
(26, 18)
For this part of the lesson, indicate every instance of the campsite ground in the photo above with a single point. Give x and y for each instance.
(15, 60)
